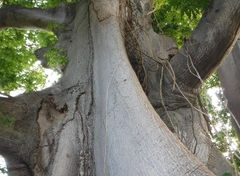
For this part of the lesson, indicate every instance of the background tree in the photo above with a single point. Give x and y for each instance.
(98, 121)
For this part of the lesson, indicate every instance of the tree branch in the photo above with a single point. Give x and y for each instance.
(229, 76)
(209, 44)
(15, 141)
(35, 18)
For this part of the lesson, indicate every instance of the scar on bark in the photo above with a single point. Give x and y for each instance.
(50, 120)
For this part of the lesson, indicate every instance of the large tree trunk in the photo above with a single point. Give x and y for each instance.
(99, 121)
(229, 76)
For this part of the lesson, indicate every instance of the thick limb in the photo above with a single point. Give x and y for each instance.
(35, 18)
(19, 131)
(209, 44)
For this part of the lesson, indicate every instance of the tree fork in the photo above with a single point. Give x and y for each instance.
(209, 44)
(118, 125)
(150, 60)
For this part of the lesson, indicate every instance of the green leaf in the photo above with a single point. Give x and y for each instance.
(178, 18)
(227, 174)
(57, 57)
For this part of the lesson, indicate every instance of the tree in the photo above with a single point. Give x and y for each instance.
(98, 120)
(228, 74)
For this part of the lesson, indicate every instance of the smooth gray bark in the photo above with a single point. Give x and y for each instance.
(209, 44)
(25, 18)
(229, 76)
(175, 102)
(99, 121)
(19, 142)
(130, 138)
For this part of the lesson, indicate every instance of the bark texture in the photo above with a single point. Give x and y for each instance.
(128, 136)
(25, 18)
(63, 118)
(71, 149)
(98, 120)
(60, 18)
(20, 140)
(209, 43)
(151, 57)
(229, 76)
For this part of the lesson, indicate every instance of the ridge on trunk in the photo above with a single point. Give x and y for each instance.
(105, 119)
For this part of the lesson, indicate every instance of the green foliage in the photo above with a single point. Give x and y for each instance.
(224, 135)
(41, 38)
(57, 57)
(212, 81)
(35, 3)
(227, 174)
(178, 18)
(18, 61)
(53, 26)
(236, 159)
(6, 120)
